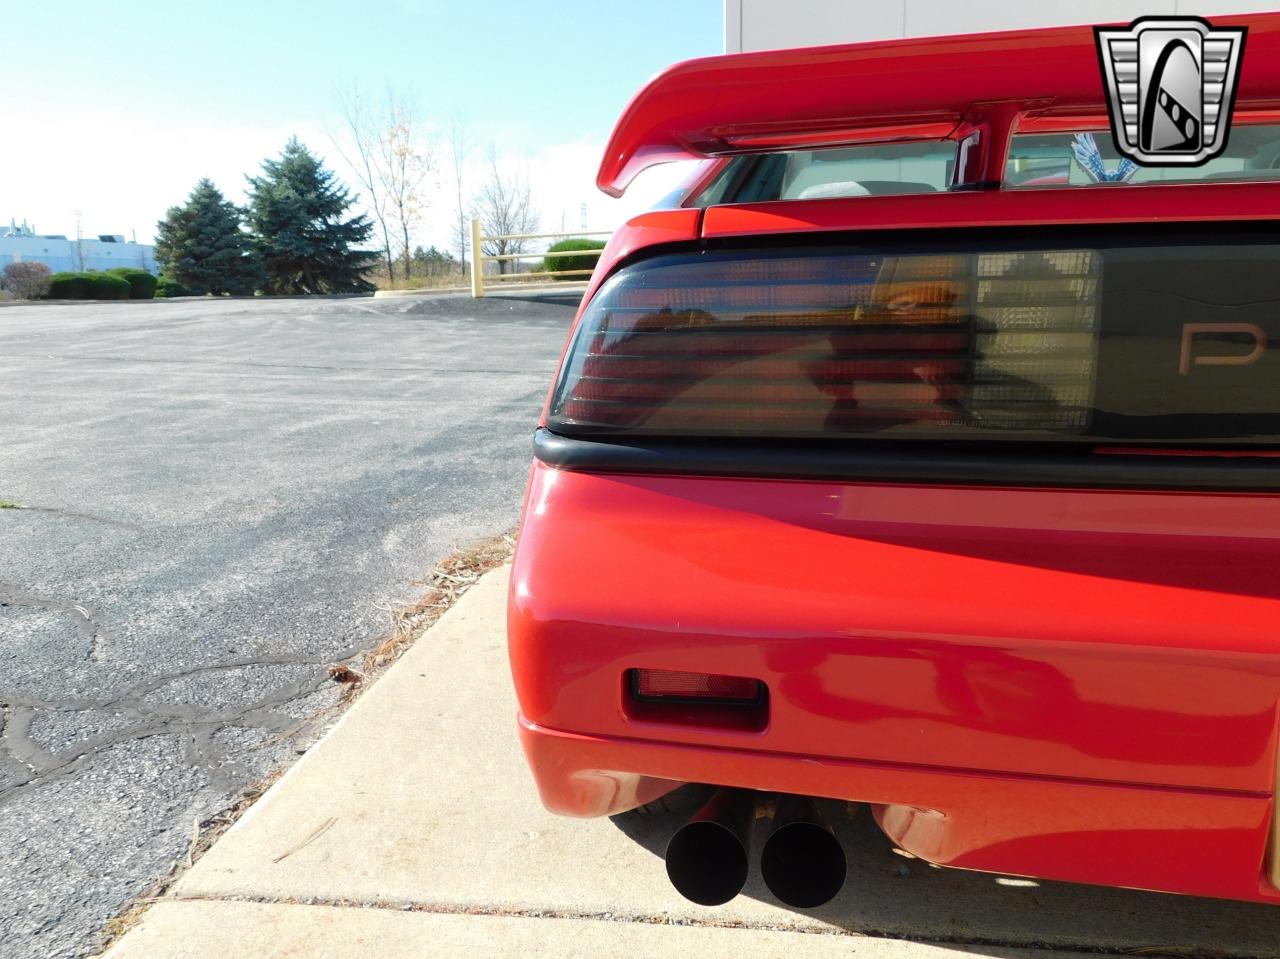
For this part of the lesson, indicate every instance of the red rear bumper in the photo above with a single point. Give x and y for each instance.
(1069, 684)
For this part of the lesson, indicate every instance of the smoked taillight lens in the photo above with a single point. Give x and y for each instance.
(666, 685)
(814, 343)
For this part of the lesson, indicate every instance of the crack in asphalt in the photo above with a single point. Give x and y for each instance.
(70, 514)
(198, 726)
(19, 745)
(33, 764)
(88, 624)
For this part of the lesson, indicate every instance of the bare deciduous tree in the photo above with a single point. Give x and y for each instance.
(405, 164)
(360, 152)
(459, 147)
(505, 206)
(385, 148)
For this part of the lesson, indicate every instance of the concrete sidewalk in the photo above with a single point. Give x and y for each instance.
(413, 829)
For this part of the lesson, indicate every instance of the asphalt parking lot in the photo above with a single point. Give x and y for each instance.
(220, 498)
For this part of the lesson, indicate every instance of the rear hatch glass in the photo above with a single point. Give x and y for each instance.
(1062, 159)
(884, 169)
(1035, 160)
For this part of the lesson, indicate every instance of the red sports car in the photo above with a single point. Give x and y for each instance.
(909, 460)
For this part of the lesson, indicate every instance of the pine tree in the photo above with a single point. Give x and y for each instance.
(298, 212)
(202, 245)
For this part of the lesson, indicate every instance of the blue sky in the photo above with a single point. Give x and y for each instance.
(122, 107)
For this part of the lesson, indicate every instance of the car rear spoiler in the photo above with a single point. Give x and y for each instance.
(975, 89)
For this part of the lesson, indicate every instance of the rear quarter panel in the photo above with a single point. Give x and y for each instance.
(1114, 636)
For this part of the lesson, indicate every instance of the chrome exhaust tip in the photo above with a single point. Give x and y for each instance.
(802, 862)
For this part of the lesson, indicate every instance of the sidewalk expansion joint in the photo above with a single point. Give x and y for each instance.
(452, 909)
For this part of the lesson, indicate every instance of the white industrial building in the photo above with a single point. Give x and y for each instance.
(20, 242)
(776, 24)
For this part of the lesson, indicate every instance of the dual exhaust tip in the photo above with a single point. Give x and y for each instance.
(801, 861)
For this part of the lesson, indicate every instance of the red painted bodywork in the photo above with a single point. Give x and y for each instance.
(1070, 684)
(933, 88)
(1148, 203)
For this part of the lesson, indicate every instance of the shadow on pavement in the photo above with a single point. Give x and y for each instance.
(571, 299)
(891, 894)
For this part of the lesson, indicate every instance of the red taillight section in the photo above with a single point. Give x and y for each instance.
(817, 343)
(663, 685)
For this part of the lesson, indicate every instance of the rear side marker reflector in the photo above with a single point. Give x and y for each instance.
(669, 686)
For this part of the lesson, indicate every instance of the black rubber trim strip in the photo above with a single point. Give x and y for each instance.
(1052, 468)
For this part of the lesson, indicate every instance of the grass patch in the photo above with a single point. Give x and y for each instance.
(9, 504)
